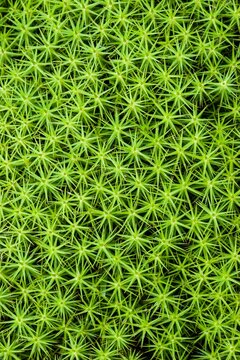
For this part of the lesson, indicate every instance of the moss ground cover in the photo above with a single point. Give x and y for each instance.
(119, 179)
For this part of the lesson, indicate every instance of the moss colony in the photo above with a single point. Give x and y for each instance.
(119, 180)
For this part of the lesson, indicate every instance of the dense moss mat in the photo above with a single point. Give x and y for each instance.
(119, 179)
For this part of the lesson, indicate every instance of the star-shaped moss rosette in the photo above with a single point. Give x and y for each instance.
(119, 180)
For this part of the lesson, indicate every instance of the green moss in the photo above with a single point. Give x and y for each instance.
(119, 179)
